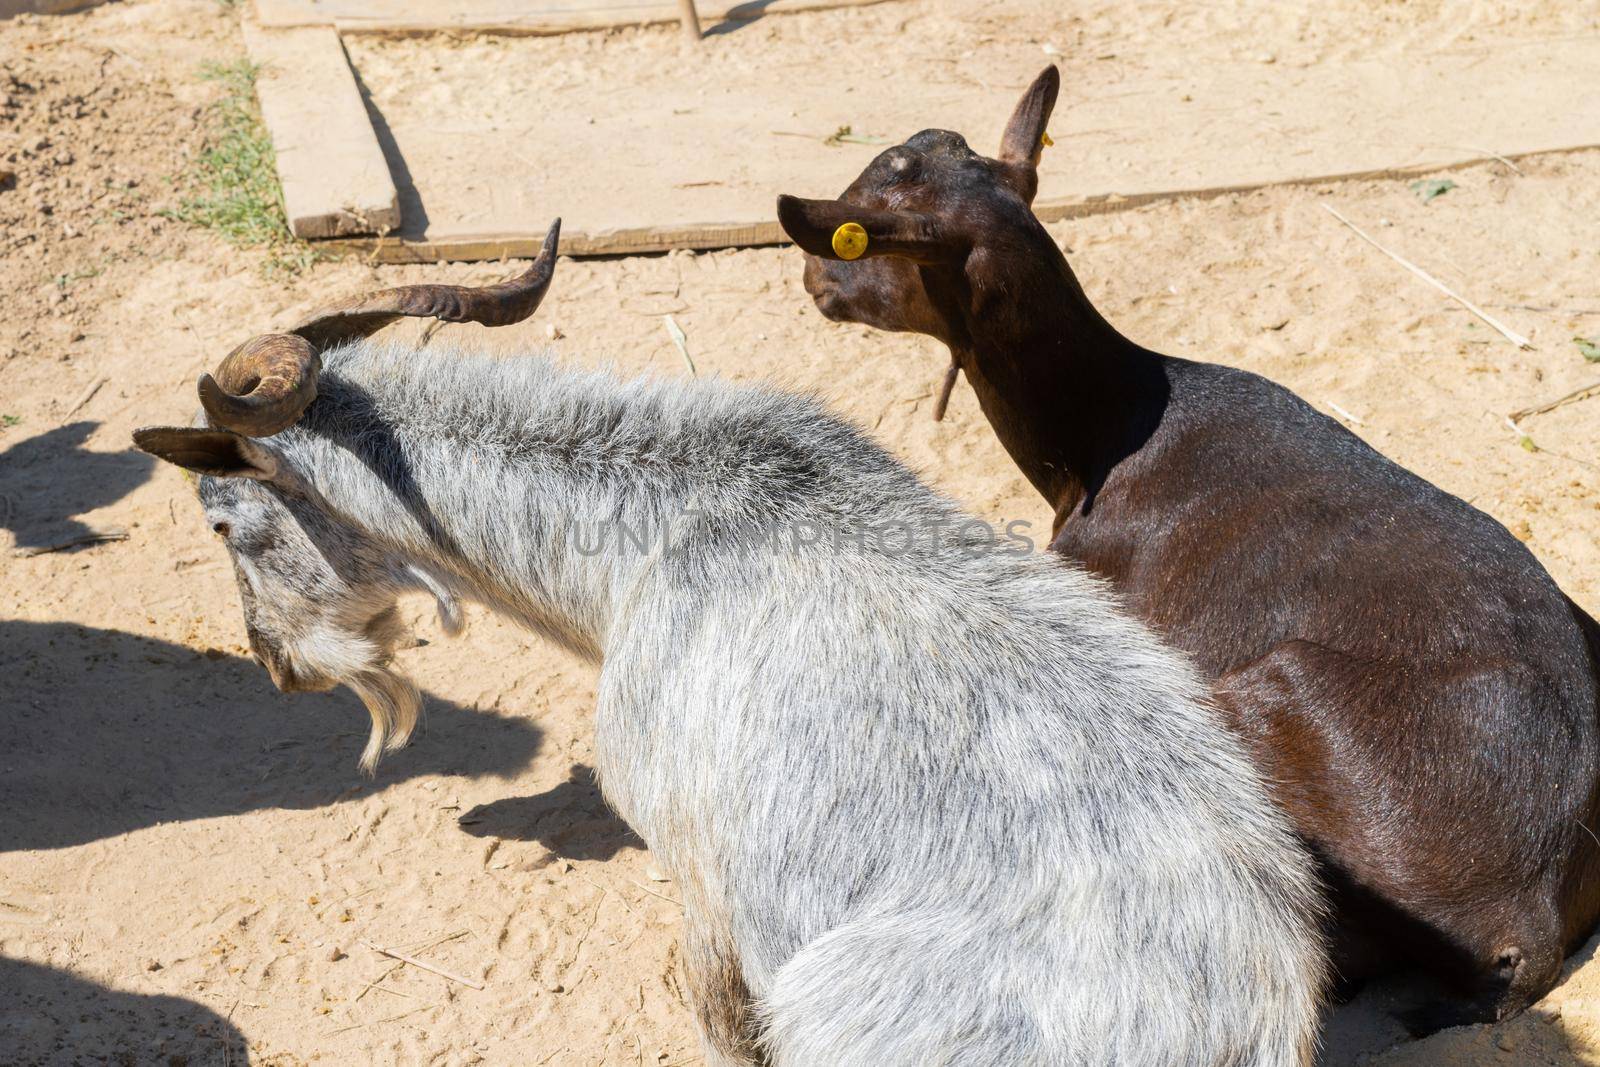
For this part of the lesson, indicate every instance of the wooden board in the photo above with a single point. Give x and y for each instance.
(534, 17)
(639, 151)
(654, 239)
(642, 240)
(12, 8)
(334, 176)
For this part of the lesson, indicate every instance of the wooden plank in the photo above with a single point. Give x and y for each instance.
(12, 8)
(621, 241)
(706, 236)
(335, 179)
(639, 151)
(526, 17)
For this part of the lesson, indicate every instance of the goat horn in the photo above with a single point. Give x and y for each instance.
(492, 305)
(263, 385)
(266, 383)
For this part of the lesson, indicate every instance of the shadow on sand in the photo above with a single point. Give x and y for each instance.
(107, 732)
(1368, 1029)
(739, 17)
(50, 477)
(572, 820)
(49, 1016)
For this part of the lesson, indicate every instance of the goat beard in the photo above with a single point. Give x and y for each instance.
(391, 698)
(394, 703)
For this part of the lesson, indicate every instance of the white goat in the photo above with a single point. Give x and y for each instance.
(929, 801)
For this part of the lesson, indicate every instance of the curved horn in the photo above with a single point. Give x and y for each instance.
(492, 305)
(263, 385)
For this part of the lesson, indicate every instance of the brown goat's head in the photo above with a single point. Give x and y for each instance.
(901, 248)
(319, 594)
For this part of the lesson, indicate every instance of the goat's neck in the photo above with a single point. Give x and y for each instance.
(554, 541)
(1068, 396)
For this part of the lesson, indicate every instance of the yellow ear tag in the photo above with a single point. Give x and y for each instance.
(1044, 139)
(849, 241)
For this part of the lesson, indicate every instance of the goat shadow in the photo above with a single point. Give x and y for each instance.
(51, 1016)
(47, 479)
(572, 820)
(107, 732)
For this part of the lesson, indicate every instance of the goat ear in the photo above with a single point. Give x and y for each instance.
(219, 453)
(835, 230)
(1024, 138)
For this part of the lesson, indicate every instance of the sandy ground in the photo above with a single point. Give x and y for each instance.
(192, 865)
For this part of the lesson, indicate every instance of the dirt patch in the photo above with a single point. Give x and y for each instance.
(191, 860)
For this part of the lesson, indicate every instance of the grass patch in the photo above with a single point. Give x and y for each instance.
(65, 281)
(232, 188)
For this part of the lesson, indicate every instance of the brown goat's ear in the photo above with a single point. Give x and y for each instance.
(835, 230)
(1025, 134)
(219, 453)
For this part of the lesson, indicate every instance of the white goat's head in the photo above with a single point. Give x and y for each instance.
(319, 593)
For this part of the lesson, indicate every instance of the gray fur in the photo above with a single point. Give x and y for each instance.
(932, 808)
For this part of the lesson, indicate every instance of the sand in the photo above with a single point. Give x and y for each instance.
(192, 864)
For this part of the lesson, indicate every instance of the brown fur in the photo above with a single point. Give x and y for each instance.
(720, 996)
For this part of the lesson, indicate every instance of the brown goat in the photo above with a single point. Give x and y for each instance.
(1417, 690)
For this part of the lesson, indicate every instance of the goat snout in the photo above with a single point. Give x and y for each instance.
(833, 304)
(815, 279)
(284, 675)
(288, 681)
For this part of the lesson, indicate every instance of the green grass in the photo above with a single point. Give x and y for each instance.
(65, 281)
(232, 188)
(10, 420)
